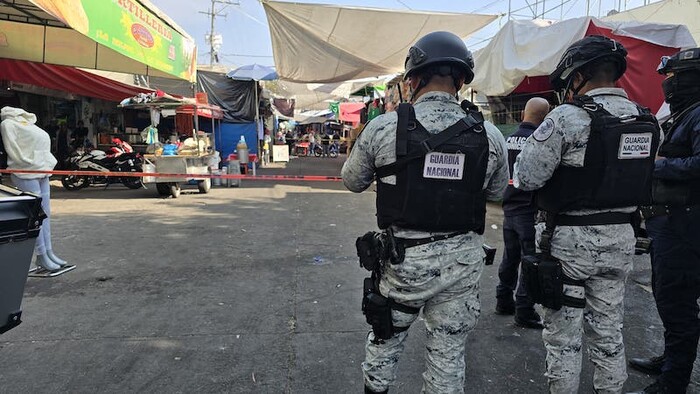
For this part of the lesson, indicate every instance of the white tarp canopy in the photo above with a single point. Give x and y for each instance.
(530, 48)
(316, 95)
(310, 117)
(325, 43)
(682, 12)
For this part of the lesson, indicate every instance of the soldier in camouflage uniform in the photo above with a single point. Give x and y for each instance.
(442, 276)
(598, 255)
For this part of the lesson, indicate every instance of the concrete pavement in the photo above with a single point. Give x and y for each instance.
(245, 290)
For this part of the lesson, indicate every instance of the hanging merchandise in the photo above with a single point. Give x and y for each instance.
(155, 117)
(149, 135)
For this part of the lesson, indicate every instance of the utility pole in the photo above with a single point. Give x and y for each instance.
(215, 40)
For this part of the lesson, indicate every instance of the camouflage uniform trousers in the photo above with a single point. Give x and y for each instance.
(442, 278)
(602, 257)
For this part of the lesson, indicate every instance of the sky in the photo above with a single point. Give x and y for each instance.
(246, 36)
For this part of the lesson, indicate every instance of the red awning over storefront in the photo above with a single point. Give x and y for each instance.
(67, 79)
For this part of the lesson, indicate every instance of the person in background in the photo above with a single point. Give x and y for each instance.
(62, 146)
(311, 137)
(267, 141)
(374, 110)
(519, 211)
(326, 141)
(673, 223)
(79, 135)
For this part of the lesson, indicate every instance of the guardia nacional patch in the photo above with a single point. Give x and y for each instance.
(545, 131)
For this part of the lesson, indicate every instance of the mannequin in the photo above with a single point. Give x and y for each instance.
(29, 148)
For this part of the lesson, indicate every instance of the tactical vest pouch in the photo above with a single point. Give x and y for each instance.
(369, 250)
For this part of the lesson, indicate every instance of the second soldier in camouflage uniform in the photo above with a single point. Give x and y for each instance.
(441, 277)
(598, 255)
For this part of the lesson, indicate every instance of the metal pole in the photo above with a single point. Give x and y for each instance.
(544, 9)
(509, 8)
(257, 115)
(588, 7)
(211, 33)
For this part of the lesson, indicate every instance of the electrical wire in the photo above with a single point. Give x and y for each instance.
(404, 4)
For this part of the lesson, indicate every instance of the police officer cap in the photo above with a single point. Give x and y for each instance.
(585, 51)
(681, 61)
(440, 48)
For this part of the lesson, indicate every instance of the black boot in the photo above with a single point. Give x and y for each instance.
(528, 318)
(369, 391)
(651, 365)
(654, 388)
(505, 306)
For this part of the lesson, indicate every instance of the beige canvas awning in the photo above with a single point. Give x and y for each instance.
(127, 36)
(675, 12)
(325, 44)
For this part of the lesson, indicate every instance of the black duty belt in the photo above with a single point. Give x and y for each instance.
(411, 242)
(597, 219)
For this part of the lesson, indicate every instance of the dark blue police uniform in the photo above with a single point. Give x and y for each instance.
(519, 210)
(676, 260)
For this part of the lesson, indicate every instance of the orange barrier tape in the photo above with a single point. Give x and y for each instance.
(315, 178)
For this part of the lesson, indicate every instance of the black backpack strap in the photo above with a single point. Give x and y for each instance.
(406, 121)
(473, 120)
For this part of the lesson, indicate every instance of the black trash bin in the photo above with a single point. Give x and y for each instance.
(20, 221)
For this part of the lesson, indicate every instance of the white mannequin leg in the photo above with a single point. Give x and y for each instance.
(33, 186)
(46, 226)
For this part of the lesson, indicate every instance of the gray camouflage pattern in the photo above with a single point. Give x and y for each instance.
(441, 277)
(600, 255)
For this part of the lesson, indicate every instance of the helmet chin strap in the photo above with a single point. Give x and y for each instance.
(574, 90)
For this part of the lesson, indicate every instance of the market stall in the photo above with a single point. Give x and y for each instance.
(193, 156)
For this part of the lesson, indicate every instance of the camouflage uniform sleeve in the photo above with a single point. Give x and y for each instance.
(358, 170)
(497, 174)
(541, 154)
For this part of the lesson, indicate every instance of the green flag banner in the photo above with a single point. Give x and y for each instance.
(334, 106)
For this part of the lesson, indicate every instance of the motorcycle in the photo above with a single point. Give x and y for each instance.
(333, 149)
(120, 159)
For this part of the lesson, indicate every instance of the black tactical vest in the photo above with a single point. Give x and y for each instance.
(439, 177)
(617, 168)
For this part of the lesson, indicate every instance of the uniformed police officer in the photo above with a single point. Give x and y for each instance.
(591, 160)
(674, 226)
(519, 211)
(435, 165)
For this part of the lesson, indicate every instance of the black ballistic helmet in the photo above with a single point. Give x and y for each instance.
(440, 48)
(584, 52)
(681, 61)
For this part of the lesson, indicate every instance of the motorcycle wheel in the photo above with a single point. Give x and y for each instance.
(74, 182)
(132, 182)
(333, 153)
(318, 152)
(204, 186)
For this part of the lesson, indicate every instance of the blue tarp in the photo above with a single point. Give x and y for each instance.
(231, 133)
